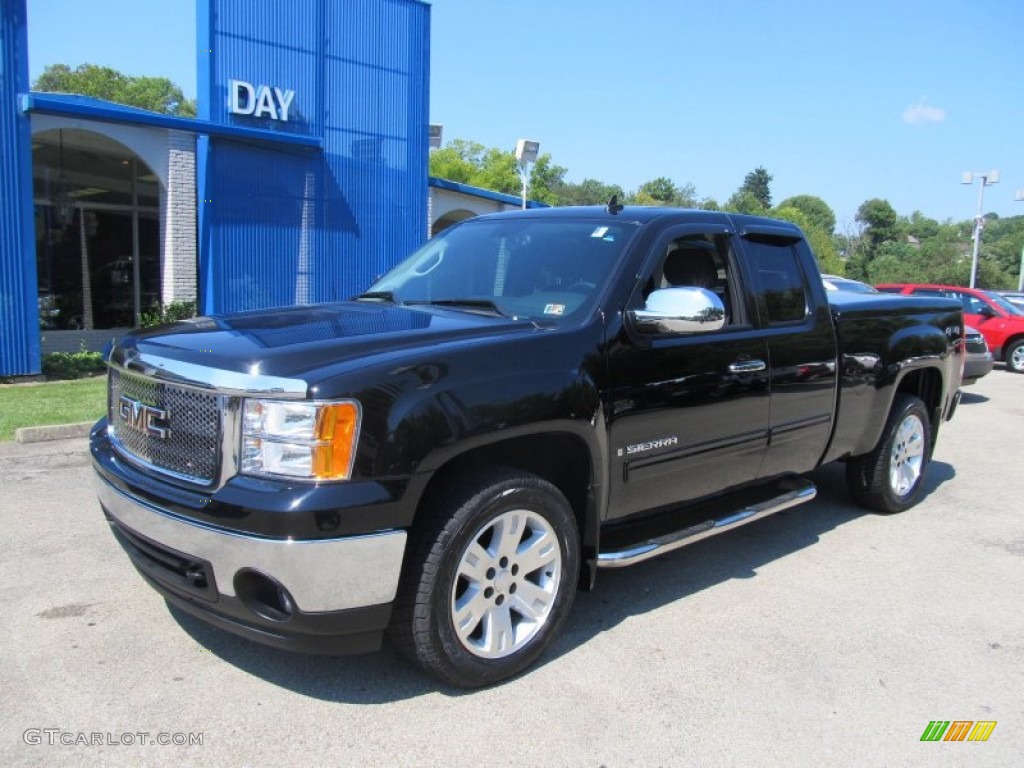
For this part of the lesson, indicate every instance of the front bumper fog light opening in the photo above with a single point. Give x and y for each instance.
(264, 596)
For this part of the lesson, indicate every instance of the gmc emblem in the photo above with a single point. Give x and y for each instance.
(143, 418)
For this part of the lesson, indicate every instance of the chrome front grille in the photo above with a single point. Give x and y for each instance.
(173, 429)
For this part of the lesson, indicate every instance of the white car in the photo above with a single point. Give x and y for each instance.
(1014, 297)
(837, 283)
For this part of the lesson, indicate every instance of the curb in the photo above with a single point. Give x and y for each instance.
(54, 432)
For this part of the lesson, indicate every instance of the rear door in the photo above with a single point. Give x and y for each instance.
(800, 337)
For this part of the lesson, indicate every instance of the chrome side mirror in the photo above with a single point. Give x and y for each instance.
(680, 310)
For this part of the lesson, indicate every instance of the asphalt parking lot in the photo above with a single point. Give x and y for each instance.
(822, 636)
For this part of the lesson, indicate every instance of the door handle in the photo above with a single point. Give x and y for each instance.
(747, 366)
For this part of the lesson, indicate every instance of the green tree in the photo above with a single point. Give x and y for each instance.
(920, 226)
(815, 209)
(457, 161)
(663, 191)
(943, 258)
(499, 171)
(820, 241)
(659, 191)
(546, 179)
(880, 221)
(1002, 241)
(588, 192)
(745, 201)
(879, 224)
(469, 162)
(897, 263)
(157, 94)
(758, 183)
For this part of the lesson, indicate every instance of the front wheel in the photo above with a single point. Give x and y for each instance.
(890, 478)
(489, 578)
(1015, 356)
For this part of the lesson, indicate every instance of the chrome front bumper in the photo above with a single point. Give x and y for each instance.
(321, 575)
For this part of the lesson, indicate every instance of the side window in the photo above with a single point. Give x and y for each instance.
(934, 292)
(973, 305)
(697, 261)
(780, 279)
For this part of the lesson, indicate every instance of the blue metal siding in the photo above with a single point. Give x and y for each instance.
(259, 215)
(19, 310)
(288, 226)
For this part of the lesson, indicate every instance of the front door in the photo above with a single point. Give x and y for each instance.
(689, 411)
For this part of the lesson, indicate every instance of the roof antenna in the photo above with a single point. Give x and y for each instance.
(613, 205)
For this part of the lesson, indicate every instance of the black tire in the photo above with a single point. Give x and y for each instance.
(1014, 356)
(890, 478)
(479, 550)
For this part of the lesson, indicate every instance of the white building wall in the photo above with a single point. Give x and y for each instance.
(448, 206)
(178, 227)
(447, 200)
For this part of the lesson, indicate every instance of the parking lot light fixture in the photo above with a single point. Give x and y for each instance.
(434, 133)
(987, 179)
(526, 155)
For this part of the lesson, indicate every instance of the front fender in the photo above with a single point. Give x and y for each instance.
(549, 423)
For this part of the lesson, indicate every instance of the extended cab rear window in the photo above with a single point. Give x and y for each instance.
(780, 280)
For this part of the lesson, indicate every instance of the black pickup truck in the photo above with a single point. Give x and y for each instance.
(526, 399)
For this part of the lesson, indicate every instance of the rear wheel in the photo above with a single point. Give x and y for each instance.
(1015, 356)
(891, 477)
(489, 578)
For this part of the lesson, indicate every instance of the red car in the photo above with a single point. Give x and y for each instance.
(1000, 322)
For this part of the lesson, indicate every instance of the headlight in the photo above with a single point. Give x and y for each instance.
(305, 440)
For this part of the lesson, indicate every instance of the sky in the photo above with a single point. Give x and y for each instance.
(893, 99)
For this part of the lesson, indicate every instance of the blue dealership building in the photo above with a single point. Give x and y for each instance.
(303, 178)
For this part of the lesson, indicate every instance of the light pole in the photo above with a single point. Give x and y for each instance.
(987, 179)
(1019, 197)
(526, 154)
(435, 132)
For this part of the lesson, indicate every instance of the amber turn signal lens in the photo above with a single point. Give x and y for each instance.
(337, 430)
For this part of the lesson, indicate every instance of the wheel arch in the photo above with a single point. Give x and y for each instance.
(1009, 342)
(562, 458)
(927, 385)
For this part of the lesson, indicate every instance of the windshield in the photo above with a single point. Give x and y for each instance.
(541, 269)
(1001, 301)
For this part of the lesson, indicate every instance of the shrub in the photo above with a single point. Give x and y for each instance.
(176, 310)
(72, 365)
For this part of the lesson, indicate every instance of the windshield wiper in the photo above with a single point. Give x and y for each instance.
(473, 305)
(378, 295)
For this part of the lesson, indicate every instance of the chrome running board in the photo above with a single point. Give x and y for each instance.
(668, 542)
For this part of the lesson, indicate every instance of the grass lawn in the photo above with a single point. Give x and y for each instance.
(51, 402)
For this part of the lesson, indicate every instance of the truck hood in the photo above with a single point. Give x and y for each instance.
(301, 342)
